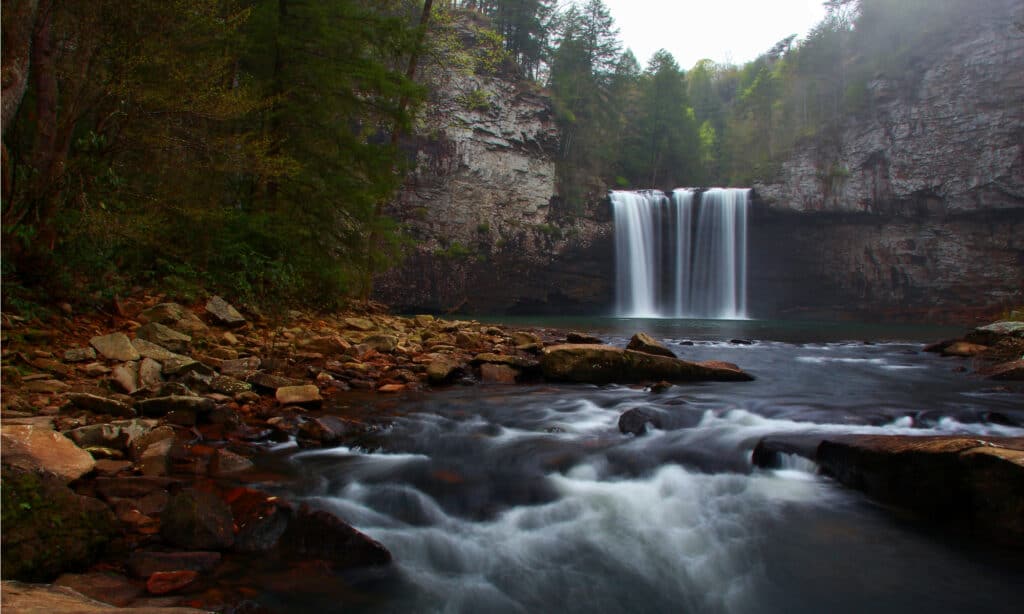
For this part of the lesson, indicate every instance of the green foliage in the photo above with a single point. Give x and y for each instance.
(454, 251)
(476, 100)
(235, 146)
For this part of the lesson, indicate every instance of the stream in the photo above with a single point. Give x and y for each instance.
(529, 499)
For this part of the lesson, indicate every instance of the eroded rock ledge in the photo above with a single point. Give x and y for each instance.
(974, 484)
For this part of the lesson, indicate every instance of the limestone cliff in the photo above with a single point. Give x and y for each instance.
(479, 207)
(918, 201)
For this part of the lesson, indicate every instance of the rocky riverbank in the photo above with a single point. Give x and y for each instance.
(129, 438)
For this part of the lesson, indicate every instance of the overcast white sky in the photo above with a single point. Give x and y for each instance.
(722, 30)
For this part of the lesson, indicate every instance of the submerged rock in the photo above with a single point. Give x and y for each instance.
(321, 535)
(604, 364)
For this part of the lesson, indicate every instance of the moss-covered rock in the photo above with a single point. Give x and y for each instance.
(604, 364)
(47, 528)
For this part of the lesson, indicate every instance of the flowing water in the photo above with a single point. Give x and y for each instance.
(529, 499)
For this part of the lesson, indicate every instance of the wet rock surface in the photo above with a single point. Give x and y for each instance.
(602, 364)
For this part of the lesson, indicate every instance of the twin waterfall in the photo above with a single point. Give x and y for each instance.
(681, 257)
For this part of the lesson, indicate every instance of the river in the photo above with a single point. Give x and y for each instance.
(529, 499)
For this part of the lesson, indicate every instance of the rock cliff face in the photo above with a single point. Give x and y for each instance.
(479, 207)
(919, 202)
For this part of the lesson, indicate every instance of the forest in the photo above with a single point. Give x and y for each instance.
(249, 146)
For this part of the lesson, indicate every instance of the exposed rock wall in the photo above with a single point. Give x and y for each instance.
(479, 207)
(918, 203)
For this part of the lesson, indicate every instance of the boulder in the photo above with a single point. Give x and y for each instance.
(182, 365)
(143, 564)
(18, 597)
(42, 450)
(976, 484)
(442, 370)
(79, 355)
(321, 535)
(111, 588)
(360, 324)
(126, 377)
(503, 359)
(325, 429)
(155, 460)
(582, 338)
(197, 520)
(604, 364)
(642, 342)
(964, 349)
(993, 333)
(119, 435)
(307, 394)
(47, 528)
(164, 313)
(148, 349)
(163, 582)
(268, 381)
(527, 342)
(635, 421)
(226, 462)
(497, 374)
(99, 405)
(223, 313)
(164, 336)
(150, 374)
(225, 384)
(382, 343)
(260, 519)
(160, 406)
(115, 346)
(240, 367)
(1006, 371)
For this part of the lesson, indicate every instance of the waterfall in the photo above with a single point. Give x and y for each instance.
(684, 256)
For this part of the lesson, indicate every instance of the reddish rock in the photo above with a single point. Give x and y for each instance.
(143, 564)
(497, 374)
(163, 582)
(260, 519)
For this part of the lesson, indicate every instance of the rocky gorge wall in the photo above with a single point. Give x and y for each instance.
(914, 205)
(918, 204)
(479, 206)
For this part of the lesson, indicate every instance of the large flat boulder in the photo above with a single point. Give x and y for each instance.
(605, 364)
(42, 450)
(974, 483)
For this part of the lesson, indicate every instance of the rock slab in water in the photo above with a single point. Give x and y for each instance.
(975, 483)
(642, 342)
(307, 394)
(320, 535)
(605, 364)
(42, 450)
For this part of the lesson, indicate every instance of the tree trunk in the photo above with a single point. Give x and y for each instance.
(15, 63)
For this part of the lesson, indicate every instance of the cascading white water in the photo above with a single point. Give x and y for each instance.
(637, 245)
(670, 265)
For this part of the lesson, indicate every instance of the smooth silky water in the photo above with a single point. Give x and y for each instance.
(529, 499)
